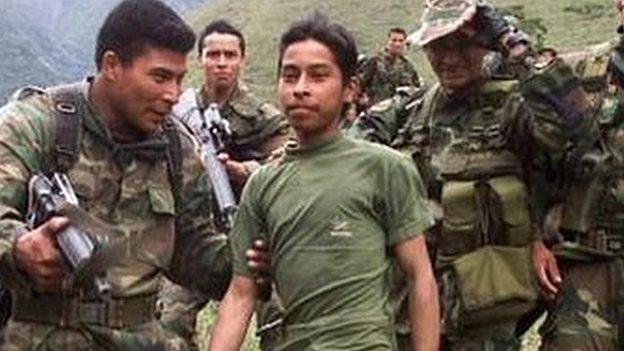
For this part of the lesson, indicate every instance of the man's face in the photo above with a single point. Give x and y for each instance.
(311, 89)
(396, 44)
(619, 5)
(145, 90)
(222, 60)
(456, 61)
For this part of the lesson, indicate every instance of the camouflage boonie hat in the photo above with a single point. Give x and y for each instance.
(443, 17)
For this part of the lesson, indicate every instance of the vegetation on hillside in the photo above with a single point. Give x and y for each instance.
(571, 25)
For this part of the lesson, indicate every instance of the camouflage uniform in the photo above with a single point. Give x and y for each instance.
(257, 129)
(587, 310)
(382, 73)
(478, 152)
(157, 228)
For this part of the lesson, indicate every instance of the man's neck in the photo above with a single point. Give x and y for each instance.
(219, 96)
(318, 137)
(120, 130)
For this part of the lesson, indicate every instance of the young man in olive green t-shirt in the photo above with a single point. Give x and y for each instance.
(334, 211)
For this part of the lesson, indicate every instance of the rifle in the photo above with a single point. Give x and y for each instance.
(78, 248)
(214, 133)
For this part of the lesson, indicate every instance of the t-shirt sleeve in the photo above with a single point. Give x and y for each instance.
(406, 213)
(247, 226)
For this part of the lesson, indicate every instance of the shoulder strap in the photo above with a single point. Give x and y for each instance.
(69, 107)
(174, 157)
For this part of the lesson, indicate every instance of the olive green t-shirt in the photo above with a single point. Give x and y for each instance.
(331, 213)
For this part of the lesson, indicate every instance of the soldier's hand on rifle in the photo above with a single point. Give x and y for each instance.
(236, 170)
(38, 255)
(546, 268)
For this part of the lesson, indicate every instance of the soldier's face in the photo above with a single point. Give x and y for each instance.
(311, 90)
(144, 90)
(619, 5)
(222, 60)
(396, 44)
(457, 62)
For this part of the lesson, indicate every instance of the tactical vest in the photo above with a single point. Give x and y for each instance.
(483, 195)
(593, 213)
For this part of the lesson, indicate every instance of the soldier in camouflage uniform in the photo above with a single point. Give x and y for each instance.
(257, 128)
(586, 313)
(153, 204)
(484, 146)
(381, 74)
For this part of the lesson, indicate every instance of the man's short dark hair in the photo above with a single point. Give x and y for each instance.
(334, 36)
(223, 27)
(397, 30)
(134, 25)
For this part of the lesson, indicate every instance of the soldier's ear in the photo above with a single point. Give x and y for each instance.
(111, 66)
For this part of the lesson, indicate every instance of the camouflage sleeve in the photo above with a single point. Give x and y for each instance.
(269, 131)
(201, 260)
(276, 129)
(415, 78)
(366, 72)
(556, 119)
(380, 123)
(25, 136)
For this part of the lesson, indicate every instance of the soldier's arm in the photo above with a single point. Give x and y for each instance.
(380, 123)
(406, 216)
(201, 260)
(270, 133)
(424, 313)
(234, 314)
(25, 136)
(366, 72)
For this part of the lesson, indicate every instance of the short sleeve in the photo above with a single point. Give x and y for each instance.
(405, 211)
(247, 225)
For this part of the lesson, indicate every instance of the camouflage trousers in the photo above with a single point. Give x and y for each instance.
(20, 336)
(584, 315)
(177, 310)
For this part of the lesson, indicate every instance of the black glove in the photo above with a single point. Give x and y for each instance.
(491, 25)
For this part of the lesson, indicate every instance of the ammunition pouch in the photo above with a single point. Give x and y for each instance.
(484, 212)
(595, 245)
(493, 284)
(114, 313)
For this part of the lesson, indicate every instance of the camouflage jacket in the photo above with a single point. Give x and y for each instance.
(593, 209)
(381, 74)
(501, 127)
(160, 231)
(257, 126)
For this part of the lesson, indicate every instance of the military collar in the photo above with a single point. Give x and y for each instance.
(151, 148)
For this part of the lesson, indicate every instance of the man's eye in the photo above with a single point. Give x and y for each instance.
(318, 75)
(160, 78)
(289, 76)
(212, 55)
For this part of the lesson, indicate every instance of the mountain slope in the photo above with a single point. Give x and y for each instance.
(46, 42)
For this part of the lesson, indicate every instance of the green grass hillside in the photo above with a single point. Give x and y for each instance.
(572, 25)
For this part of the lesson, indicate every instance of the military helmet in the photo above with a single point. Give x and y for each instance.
(443, 17)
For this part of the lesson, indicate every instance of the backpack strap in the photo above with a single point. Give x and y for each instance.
(174, 157)
(69, 107)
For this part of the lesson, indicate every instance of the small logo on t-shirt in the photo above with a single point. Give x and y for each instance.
(340, 227)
